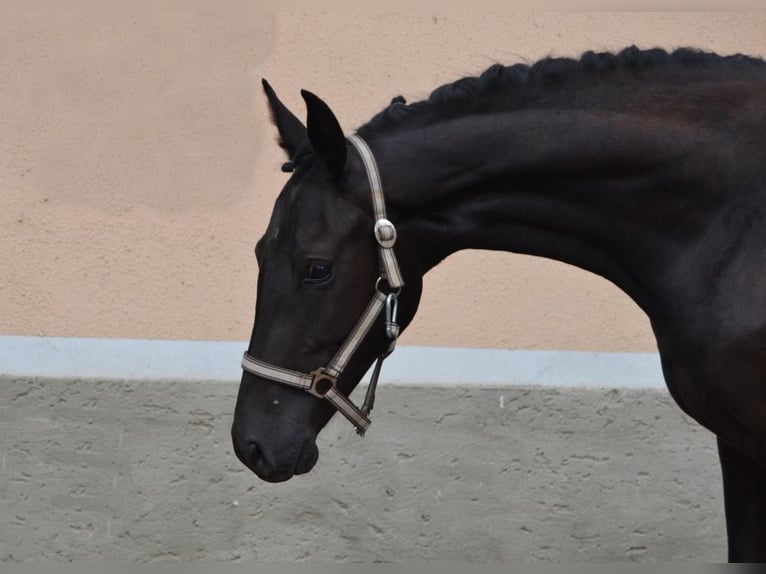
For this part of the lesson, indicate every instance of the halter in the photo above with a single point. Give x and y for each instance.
(322, 382)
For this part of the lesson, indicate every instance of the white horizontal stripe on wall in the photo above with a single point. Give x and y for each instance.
(143, 359)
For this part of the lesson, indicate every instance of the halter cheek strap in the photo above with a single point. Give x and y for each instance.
(322, 382)
(385, 232)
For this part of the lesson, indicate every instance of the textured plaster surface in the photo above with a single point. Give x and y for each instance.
(138, 165)
(136, 471)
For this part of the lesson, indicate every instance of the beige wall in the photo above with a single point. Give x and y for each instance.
(137, 165)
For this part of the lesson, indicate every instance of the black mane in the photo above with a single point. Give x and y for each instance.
(511, 87)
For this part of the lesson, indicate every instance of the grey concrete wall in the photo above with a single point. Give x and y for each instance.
(143, 471)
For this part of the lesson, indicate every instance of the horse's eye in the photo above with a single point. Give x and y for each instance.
(318, 272)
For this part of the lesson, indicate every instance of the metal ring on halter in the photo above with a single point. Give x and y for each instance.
(321, 383)
(388, 291)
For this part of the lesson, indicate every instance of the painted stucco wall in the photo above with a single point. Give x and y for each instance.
(138, 165)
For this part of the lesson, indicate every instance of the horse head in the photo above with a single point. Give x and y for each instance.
(319, 271)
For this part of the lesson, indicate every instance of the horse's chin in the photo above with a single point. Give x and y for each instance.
(275, 477)
(305, 463)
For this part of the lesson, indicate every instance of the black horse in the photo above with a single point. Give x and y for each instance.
(645, 167)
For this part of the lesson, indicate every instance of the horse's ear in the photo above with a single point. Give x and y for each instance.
(292, 133)
(325, 134)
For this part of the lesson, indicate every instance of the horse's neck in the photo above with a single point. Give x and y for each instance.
(605, 192)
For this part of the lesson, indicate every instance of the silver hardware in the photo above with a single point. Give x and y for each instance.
(385, 233)
(321, 383)
(378, 289)
(392, 310)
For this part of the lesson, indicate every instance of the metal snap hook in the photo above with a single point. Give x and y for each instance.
(382, 286)
(392, 310)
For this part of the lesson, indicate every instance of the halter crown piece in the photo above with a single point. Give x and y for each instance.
(322, 382)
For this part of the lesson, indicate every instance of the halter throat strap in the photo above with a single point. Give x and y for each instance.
(322, 382)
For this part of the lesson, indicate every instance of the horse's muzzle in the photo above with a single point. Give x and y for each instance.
(271, 461)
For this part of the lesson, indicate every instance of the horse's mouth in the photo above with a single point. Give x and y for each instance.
(275, 476)
(272, 468)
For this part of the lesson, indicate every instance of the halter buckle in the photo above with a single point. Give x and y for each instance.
(385, 233)
(321, 383)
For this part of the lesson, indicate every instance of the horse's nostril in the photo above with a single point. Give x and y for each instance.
(255, 454)
(274, 462)
(250, 453)
(247, 450)
(257, 459)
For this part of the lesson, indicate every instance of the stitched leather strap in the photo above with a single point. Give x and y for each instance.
(307, 382)
(385, 232)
